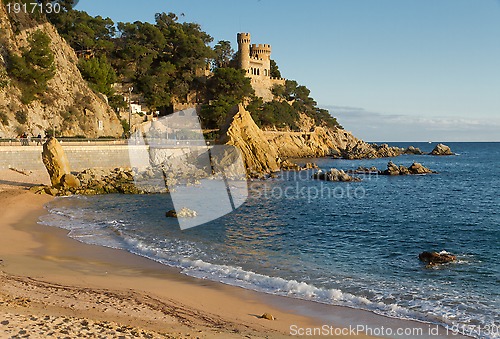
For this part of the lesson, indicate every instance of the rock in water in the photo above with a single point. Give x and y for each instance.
(334, 175)
(183, 213)
(171, 214)
(434, 258)
(55, 161)
(417, 168)
(441, 149)
(186, 213)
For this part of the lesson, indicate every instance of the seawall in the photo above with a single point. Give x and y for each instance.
(80, 157)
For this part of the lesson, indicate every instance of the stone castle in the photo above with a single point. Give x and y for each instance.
(256, 61)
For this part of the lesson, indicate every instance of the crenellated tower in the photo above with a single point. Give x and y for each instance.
(244, 50)
(256, 61)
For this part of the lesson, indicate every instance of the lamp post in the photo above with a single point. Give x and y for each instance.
(130, 89)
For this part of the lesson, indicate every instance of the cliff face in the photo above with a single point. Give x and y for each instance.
(242, 132)
(318, 143)
(68, 105)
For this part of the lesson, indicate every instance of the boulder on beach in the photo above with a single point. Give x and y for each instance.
(55, 161)
(267, 316)
(441, 149)
(435, 258)
(70, 181)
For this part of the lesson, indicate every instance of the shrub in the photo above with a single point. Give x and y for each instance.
(21, 117)
(4, 119)
(34, 68)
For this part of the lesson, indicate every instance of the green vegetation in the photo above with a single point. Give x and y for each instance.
(4, 79)
(99, 74)
(166, 62)
(223, 54)
(125, 126)
(275, 71)
(4, 119)
(21, 117)
(226, 88)
(291, 100)
(34, 68)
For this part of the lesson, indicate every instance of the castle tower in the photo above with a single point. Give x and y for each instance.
(255, 60)
(244, 50)
(261, 52)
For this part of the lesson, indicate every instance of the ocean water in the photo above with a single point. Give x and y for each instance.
(349, 244)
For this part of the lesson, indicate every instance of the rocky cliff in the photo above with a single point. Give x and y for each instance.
(68, 105)
(266, 151)
(241, 131)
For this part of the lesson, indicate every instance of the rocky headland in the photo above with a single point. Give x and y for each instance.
(441, 149)
(265, 152)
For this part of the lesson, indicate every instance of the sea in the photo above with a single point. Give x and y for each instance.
(352, 244)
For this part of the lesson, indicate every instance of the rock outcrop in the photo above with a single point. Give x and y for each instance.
(183, 213)
(55, 161)
(415, 169)
(413, 150)
(242, 132)
(68, 105)
(265, 152)
(334, 175)
(364, 150)
(441, 149)
(93, 182)
(435, 258)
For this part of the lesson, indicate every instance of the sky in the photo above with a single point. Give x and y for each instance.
(389, 70)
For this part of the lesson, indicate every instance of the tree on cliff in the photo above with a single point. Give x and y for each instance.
(223, 54)
(226, 88)
(84, 32)
(275, 71)
(34, 68)
(99, 74)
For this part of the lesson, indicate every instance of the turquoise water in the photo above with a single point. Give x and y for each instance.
(350, 244)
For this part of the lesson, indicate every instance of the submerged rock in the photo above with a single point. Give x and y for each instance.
(435, 258)
(441, 149)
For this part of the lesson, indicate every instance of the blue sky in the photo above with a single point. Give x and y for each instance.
(391, 70)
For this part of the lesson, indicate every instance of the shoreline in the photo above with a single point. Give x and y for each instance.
(99, 284)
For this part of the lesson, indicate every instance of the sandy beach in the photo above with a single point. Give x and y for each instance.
(53, 286)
